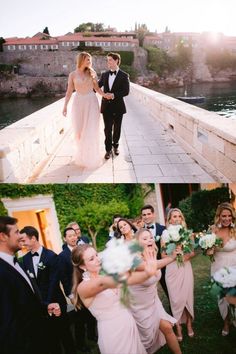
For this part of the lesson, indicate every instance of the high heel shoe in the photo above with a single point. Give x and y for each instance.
(179, 338)
(224, 333)
(191, 334)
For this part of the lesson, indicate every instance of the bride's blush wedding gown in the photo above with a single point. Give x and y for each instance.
(85, 116)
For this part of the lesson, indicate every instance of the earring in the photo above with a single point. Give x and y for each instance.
(219, 226)
(86, 275)
(232, 224)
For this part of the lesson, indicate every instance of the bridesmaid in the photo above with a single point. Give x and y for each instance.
(154, 324)
(180, 282)
(126, 229)
(225, 229)
(117, 330)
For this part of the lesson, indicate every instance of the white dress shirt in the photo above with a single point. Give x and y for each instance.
(111, 79)
(10, 260)
(36, 259)
(153, 230)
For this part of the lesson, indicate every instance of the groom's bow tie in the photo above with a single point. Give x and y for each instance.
(150, 227)
(34, 254)
(112, 72)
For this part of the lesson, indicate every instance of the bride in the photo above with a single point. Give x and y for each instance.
(85, 113)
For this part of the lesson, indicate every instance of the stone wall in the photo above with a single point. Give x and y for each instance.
(50, 64)
(21, 86)
(27, 144)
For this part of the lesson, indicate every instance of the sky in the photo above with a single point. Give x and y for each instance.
(26, 17)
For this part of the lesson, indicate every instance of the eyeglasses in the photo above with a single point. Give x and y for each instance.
(76, 229)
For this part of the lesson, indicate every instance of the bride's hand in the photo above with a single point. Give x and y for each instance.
(64, 112)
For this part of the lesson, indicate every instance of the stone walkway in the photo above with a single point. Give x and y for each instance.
(148, 153)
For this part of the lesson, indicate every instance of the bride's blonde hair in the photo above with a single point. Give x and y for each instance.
(79, 62)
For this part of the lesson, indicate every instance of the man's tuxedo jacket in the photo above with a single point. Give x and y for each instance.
(120, 89)
(22, 314)
(48, 277)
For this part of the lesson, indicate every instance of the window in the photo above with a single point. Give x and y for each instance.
(32, 47)
(43, 46)
(22, 47)
(54, 46)
(11, 47)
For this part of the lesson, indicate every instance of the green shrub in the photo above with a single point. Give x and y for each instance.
(199, 209)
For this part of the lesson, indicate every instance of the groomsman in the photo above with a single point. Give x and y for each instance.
(148, 216)
(81, 238)
(82, 317)
(116, 82)
(22, 314)
(43, 264)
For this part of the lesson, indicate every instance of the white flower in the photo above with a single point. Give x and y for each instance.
(207, 241)
(31, 275)
(116, 258)
(226, 277)
(157, 238)
(165, 236)
(174, 232)
(41, 266)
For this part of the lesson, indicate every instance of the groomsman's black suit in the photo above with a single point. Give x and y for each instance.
(22, 315)
(113, 110)
(158, 232)
(49, 285)
(82, 317)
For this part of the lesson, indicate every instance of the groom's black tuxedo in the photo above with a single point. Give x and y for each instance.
(113, 110)
(48, 281)
(22, 315)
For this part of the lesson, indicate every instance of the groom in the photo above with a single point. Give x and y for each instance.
(115, 82)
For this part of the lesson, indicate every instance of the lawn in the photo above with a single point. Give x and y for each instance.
(208, 323)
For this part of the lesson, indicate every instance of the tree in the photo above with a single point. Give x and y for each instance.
(89, 27)
(46, 31)
(2, 40)
(94, 217)
(199, 209)
(142, 31)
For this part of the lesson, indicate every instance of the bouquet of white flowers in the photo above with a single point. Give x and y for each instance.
(224, 283)
(177, 235)
(208, 241)
(118, 258)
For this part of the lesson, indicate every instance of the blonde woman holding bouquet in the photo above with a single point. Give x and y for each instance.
(154, 324)
(224, 228)
(117, 330)
(179, 281)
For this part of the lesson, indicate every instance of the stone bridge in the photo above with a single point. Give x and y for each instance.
(163, 140)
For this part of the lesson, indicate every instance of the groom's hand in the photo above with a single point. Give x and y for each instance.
(109, 96)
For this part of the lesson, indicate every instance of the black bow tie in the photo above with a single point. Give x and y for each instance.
(34, 254)
(150, 227)
(15, 260)
(112, 72)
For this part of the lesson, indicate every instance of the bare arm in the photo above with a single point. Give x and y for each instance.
(70, 89)
(100, 91)
(92, 287)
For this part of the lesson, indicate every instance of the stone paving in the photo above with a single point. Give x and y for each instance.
(148, 153)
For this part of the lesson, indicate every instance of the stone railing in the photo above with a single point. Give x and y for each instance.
(209, 137)
(27, 144)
